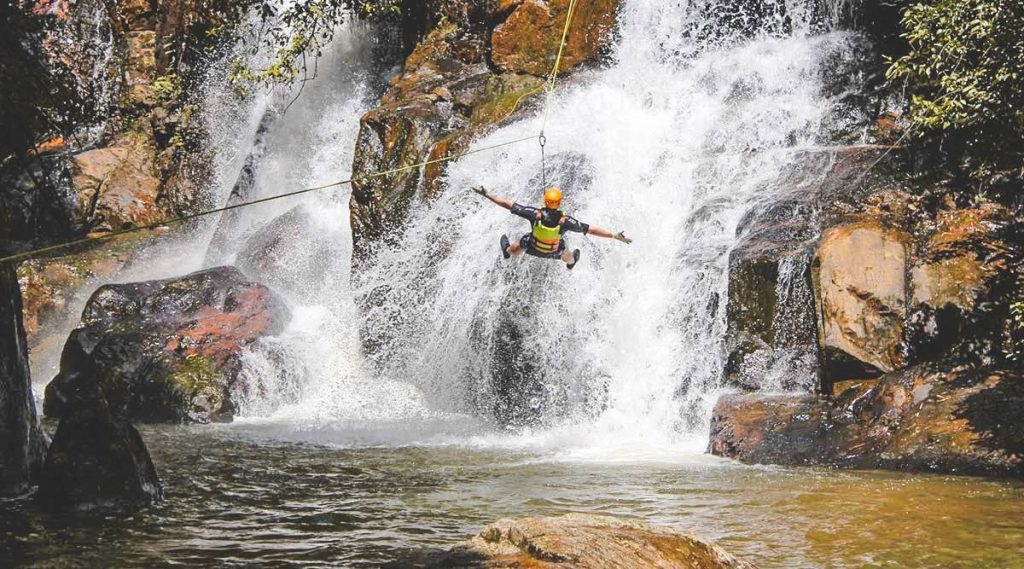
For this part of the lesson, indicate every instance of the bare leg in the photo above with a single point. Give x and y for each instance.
(515, 249)
(567, 257)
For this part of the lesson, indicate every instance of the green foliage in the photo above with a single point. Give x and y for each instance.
(965, 74)
(296, 33)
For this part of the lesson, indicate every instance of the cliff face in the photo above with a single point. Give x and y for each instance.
(904, 325)
(477, 66)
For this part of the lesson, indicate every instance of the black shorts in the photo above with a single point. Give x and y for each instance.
(527, 243)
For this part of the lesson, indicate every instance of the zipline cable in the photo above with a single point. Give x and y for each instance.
(183, 218)
(549, 83)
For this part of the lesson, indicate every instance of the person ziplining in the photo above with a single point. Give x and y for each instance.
(545, 239)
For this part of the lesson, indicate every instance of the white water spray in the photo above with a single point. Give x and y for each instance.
(682, 135)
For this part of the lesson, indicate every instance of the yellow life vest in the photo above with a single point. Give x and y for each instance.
(546, 239)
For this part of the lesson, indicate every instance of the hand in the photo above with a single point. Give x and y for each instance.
(480, 190)
(621, 236)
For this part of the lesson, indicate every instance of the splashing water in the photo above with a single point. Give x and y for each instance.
(682, 135)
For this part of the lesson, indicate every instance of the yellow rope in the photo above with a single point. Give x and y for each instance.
(553, 74)
(550, 84)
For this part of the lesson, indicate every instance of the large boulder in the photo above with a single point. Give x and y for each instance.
(22, 444)
(859, 278)
(771, 315)
(169, 350)
(918, 419)
(580, 541)
(528, 40)
(296, 251)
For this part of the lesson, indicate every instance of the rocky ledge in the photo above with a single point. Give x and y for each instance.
(169, 350)
(580, 541)
(921, 419)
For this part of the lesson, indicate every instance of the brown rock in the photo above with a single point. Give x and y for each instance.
(919, 419)
(959, 283)
(580, 541)
(859, 282)
(528, 41)
(116, 186)
(141, 66)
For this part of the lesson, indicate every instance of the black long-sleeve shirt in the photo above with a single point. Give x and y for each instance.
(550, 218)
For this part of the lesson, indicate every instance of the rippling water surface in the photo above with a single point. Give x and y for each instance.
(235, 496)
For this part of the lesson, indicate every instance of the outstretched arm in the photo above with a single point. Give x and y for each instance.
(601, 232)
(503, 202)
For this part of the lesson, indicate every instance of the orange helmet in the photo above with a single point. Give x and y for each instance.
(552, 198)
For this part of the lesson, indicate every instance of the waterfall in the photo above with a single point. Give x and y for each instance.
(691, 126)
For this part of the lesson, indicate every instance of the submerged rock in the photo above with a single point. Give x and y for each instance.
(580, 541)
(169, 350)
(919, 419)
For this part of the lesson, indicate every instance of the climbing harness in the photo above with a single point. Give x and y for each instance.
(549, 84)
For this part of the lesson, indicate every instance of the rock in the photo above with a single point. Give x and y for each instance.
(769, 429)
(528, 40)
(860, 288)
(580, 541)
(771, 316)
(428, 112)
(141, 66)
(97, 464)
(228, 229)
(958, 280)
(296, 251)
(22, 444)
(919, 419)
(50, 284)
(167, 351)
(116, 186)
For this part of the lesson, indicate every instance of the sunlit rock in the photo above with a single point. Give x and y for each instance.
(528, 40)
(580, 541)
(860, 288)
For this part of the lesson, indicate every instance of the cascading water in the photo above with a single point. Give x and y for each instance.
(691, 126)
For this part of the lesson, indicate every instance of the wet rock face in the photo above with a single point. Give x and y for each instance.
(772, 339)
(960, 272)
(918, 419)
(22, 444)
(580, 541)
(166, 351)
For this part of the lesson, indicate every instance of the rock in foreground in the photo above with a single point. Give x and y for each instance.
(580, 541)
(166, 351)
